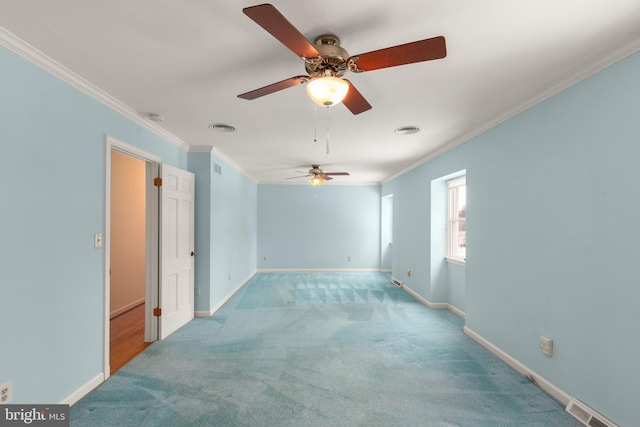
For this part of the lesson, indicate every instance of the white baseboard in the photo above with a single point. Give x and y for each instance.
(205, 314)
(545, 385)
(84, 390)
(456, 310)
(126, 308)
(428, 303)
(318, 270)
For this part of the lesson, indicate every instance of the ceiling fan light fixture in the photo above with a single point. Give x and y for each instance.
(327, 91)
(316, 180)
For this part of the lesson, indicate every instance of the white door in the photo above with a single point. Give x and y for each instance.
(176, 248)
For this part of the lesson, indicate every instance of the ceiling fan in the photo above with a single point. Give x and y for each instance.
(318, 176)
(326, 62)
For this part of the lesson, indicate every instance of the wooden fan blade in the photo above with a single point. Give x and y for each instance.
(284, 84)
(279, 27)
(423, 50)
(354, 100)
(325, 177)
(336, 173)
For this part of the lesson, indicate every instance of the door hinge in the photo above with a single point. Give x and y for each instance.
(157, 182)
(157, 312)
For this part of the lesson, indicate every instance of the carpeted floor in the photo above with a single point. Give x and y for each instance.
(331, 349)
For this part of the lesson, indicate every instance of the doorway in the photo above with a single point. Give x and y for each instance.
(131, 253)
(128, 259)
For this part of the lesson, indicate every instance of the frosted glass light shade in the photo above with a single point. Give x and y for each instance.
(327, 91)
(316, 180)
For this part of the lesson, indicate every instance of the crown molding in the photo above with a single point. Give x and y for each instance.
(553, 89)
(30, 53)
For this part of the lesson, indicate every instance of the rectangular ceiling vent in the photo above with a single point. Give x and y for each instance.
(217, 169)
(586, 415)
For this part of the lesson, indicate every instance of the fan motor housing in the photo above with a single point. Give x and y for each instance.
(332, 56)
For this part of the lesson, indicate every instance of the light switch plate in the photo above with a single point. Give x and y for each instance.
(97, 240)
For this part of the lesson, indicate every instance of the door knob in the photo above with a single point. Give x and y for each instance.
(193, 253)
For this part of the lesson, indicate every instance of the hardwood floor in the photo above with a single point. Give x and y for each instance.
(127, 337)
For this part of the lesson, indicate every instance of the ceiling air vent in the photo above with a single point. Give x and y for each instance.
(407, 130)
(586, 415)
(221, 127)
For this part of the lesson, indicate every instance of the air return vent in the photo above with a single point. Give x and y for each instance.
(396, 282)
(587, 415)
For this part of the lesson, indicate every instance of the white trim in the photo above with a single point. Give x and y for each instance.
(384, 270)
(545, 385)
(127, 307)
(130, 150)
(318, 270)
(455, 310)
(30, 53)
(205, 314)
(429, 304)
(456, 261)
(83, 391)
(553, 89)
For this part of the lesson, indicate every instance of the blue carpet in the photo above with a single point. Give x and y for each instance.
(294, 349)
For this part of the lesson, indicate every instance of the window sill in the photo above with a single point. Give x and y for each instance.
(456, 261)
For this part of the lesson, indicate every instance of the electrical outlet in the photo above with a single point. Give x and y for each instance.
(546, 346)
(5, 393)
(408, 273)
(264, 258)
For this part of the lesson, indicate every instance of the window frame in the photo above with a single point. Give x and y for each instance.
(452, 208)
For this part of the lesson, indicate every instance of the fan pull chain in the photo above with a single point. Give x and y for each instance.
(328, 122)
(315, 122)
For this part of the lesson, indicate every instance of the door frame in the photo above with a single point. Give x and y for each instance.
(152, 242)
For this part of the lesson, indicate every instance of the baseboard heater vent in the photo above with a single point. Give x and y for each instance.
(587, 415)
(396, 282)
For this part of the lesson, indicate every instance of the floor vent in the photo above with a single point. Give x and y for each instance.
(587, 416)
(396, 282)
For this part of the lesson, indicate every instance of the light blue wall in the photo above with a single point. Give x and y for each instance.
(552, 241)
(413, 236)
(52, 169)
(386, 232)
(306, 227)
(200, 165)
(52, 166)
(233, 230)
(226, 229)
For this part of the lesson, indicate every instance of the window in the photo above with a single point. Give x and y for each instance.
(456, 219)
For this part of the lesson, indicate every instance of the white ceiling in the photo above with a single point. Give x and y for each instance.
(189, 59)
